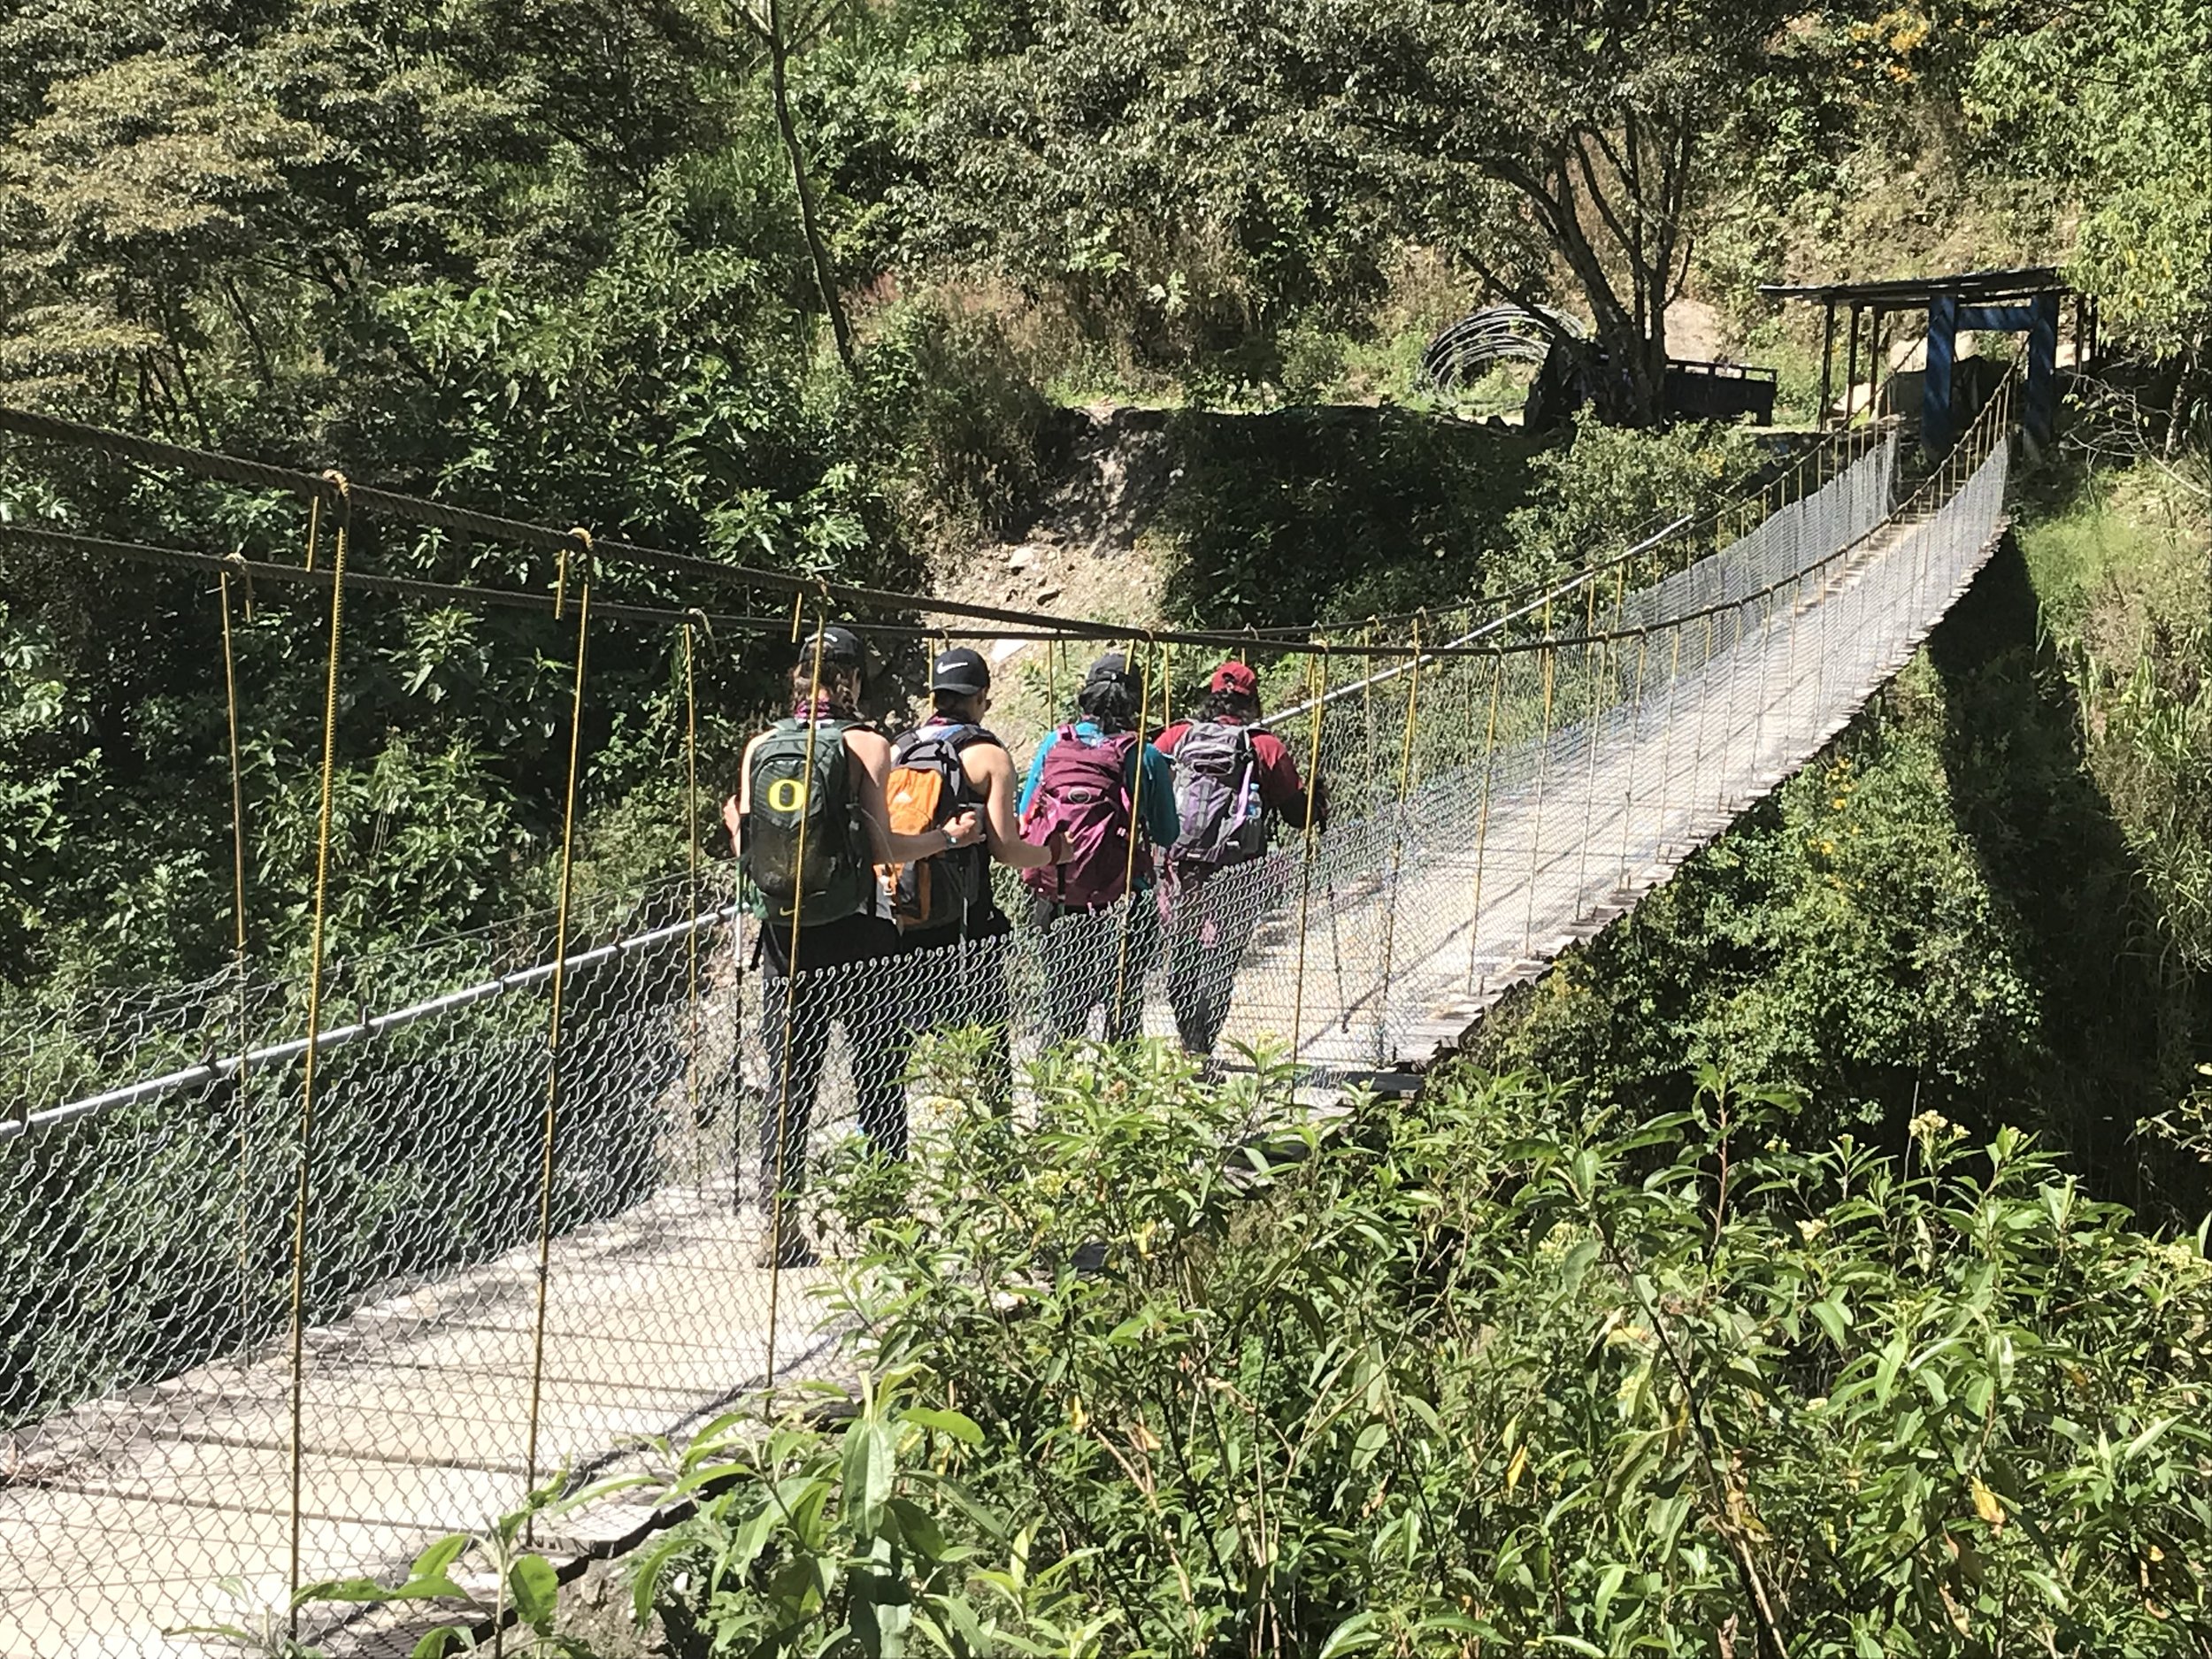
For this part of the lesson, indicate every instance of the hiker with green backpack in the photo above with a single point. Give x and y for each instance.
(811, 826)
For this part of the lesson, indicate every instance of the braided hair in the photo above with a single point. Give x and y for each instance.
(1237, 707)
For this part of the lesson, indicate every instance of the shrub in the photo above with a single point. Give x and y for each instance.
(1488, 1370)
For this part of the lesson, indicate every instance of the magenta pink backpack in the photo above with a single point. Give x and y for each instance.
(1084, 790)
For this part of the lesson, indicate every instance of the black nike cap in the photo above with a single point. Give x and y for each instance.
(1113, 665)
(961, 672)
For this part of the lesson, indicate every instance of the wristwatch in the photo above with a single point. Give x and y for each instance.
(952, 842)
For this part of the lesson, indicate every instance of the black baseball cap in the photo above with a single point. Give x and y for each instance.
(1113, 665)
(839, 645)
(961, 672)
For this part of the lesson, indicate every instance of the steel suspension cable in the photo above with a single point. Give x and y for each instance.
(549, 1121)
(493, 527)
(242, 1083)
(1318, 676)
(775, 1201)
(1397, 845)
(691, 898)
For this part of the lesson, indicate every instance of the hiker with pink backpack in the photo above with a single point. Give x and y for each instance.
(1097, 783)
(1234, 782)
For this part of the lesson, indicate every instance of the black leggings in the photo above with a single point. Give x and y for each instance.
(1087, 963)
(842, 976)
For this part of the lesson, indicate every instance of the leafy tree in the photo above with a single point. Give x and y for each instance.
(131, 212)
(2109, 98)
(1842, 941)
(1528, 135)
(1606, 489)
(780, 35)
(1263, 155)
(1167, 170)
(534, 255)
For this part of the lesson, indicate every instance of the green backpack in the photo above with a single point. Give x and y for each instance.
(805, 849)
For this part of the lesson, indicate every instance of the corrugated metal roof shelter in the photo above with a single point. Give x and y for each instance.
(2018, 300)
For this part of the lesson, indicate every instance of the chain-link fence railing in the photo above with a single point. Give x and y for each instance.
(500, 1260)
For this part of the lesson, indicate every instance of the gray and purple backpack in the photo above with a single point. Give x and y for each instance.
(1217, 798)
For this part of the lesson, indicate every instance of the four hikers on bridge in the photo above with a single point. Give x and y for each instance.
(861, 852)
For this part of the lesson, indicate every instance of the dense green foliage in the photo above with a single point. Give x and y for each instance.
(539, 260)
(1285, 518)
(1491, 1369)
(2109, 97)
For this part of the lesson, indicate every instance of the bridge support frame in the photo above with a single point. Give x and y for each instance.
(2037, 319)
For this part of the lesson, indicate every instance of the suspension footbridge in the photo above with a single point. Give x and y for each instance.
(295, 1287)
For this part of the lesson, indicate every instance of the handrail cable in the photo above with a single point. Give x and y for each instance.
(468, 521)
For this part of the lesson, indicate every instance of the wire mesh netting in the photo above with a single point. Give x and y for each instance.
(510, 1262)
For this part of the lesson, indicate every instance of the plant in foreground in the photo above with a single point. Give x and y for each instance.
(1489, 1369)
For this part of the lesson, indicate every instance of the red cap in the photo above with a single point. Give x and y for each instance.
(1237, 677)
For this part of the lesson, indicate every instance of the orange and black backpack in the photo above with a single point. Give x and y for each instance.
(927, 788)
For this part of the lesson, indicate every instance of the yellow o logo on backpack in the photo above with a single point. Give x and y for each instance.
(787, 794)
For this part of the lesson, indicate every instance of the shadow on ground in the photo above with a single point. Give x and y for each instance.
(2120, 1030)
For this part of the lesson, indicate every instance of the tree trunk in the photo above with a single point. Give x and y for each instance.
(253, 334)
(1628, 388)
(840, 329)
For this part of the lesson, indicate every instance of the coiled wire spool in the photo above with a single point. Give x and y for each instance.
(1510, 332)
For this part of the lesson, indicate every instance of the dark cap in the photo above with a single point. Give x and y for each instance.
(1113, 665)
(960, 671)
(839, 645)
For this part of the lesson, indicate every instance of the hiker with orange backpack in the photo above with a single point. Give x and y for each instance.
(1096, 781)
(943, 905)
(810, 823)
(1233, 781)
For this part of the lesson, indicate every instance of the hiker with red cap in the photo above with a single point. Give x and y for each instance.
(1234, 781)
